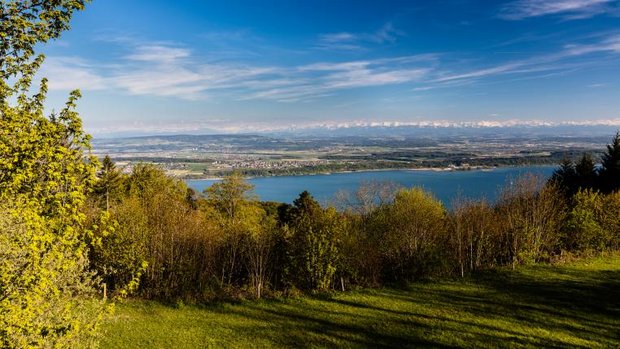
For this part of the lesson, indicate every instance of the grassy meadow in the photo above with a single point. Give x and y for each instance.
(574, 305)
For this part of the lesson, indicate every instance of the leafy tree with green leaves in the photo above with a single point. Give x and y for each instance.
(410, 230)
(23, 25)
(583, 225)
(609, 219)
(45, 174)
(230, 195)
(258, 250)
(240, 218)
(315, 239)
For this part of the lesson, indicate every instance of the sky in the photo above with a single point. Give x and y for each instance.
(191, 66)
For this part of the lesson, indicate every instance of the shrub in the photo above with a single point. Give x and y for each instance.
(474, 236)
(531, 212)
(583, 229)
(411, 230)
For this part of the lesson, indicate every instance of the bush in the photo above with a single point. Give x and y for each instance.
(583, 226)
(474, 236)
(411, 231)
(531, 214)
(610, 220)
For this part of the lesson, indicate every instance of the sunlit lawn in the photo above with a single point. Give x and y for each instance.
(575, 305)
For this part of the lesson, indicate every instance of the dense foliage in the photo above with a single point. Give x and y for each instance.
(182, 245)
(584, 174)
(46, 287)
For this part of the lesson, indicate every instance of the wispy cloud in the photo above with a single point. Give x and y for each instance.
(339, 41)
(158, 54)
(173, 71)
(68, 73)
(610, 44)
(323, 79)
(570, 58)
(359, 41)
(569, 9)
(160, 69)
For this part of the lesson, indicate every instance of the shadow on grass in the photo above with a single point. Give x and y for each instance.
(550, 307)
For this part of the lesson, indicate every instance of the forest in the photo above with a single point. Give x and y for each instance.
(76, 233)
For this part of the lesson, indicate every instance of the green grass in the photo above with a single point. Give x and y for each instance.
(575, 305)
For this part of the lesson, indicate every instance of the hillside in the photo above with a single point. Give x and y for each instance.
(573, 305)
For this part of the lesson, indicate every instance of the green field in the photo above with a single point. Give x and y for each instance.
(573, 305)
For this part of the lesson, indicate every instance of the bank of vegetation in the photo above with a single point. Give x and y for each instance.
(224, 243)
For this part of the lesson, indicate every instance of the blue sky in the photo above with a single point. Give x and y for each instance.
(188, 66)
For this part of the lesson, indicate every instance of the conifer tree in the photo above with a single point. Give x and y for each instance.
(586, 173)
(610, 166)
(565, 177)
(109, 180)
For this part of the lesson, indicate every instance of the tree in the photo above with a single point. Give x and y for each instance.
(259, 251)
(45, 174)
(229, 195)
(532, 212)
(583, 224)
(565, 178)
(585, 170)
(410, 231)
(23, 25)
(238, 215)
(609, 219)
(368, 196)
(109, 181)
(43, 284)
(610, 166)
(473, 234)
(315, 239)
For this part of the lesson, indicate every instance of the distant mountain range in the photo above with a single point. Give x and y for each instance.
(432, 129)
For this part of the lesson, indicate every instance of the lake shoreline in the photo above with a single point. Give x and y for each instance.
(422, 169)
(444, 184)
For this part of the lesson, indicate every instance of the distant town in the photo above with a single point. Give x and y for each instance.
(211, 156)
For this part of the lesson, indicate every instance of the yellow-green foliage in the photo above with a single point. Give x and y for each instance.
(410, 229)
(44, 177)
(593, 222)
(611, 219)
(246, 232)
(44, 287)
(315, 238)
(531, 213)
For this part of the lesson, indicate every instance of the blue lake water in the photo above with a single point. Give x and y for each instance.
(445, 185)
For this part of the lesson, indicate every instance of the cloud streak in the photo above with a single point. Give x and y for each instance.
(170, 71)
(174, 71)
(347, 41)
(569, 9)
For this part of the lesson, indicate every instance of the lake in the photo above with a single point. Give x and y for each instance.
(445, 185)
